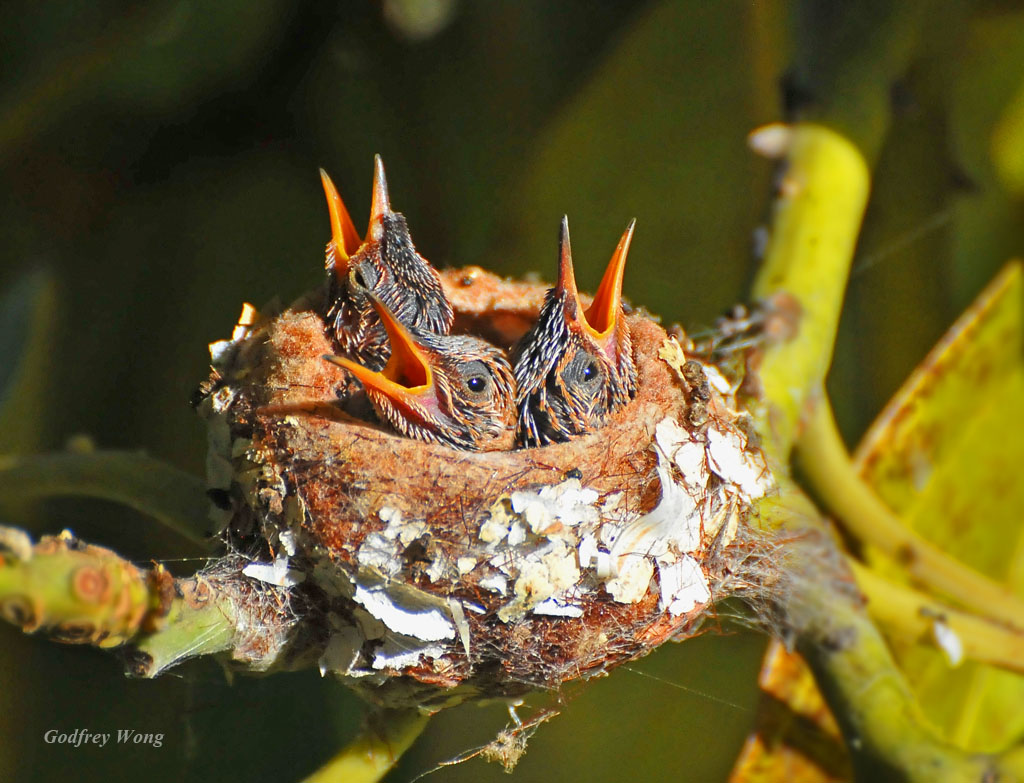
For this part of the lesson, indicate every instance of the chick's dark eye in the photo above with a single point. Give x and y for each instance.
(475, 377)
(584, 372)
(362, 275)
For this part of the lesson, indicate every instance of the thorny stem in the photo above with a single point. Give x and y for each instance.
(827, 465)
(82, 593)
(385, 737)
(912, 614)
(191, 627)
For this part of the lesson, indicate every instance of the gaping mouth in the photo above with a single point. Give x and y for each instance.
(344, 237)
(407, 372)
(601, 317)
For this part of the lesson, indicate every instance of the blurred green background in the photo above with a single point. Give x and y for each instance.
(158, 165)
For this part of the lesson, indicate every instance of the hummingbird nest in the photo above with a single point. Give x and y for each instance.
(433, 574)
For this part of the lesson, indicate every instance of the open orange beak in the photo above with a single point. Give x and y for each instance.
(601, 317)
(344, 237)
(407, 376)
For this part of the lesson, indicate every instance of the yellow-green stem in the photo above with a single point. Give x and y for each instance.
(822, 195)
(911, 614)
(376, 750)
(828, 467)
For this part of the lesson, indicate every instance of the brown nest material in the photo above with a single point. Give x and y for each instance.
(441, 574)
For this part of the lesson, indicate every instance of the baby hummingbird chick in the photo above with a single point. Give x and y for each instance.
(450, 389)
(386, 263)
(574, 368)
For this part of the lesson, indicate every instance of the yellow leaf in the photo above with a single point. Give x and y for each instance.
(945, 455)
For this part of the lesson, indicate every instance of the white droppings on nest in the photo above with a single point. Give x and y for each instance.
(691, 512)
(276, 573)
(632, 581)
(496, 583)
(380, 552)
(685, 450)
(717, 381)
(404, 532)
(706, 477)
(492, 531)
(287, 539)
(401, 652)
(613, 508)
(730, 461)
(441, 568)
(383, 549)
(588, 551)
(567, 503)
(553, 607)
(673, 524)
(342, 653)
(345, 652)
(496, 527)
(544, 573)
(404, 609)
(683, 586)
(517, 534)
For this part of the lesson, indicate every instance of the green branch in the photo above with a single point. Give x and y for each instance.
(822, 196)
(174, 498)
(85, 594)
(385, 737)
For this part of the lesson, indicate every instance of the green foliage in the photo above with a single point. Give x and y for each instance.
(164, 164)
(945, 456)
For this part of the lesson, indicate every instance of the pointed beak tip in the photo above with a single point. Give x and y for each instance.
(627, 238)
(380, 204)
(328, 183)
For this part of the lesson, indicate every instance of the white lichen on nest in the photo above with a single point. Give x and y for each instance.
(550, 549)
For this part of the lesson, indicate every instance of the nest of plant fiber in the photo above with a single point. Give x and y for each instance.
(440, 574)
